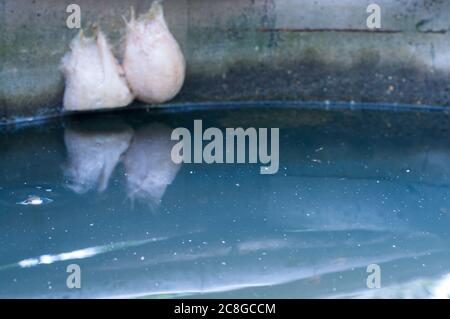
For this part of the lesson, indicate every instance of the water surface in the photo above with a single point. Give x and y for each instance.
(355, 187)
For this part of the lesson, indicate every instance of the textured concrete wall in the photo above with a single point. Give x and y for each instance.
(245, 50)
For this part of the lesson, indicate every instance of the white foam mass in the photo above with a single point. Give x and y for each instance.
(94, 78)
(153, 61)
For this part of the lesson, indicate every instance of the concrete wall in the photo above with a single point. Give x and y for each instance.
(245, 50)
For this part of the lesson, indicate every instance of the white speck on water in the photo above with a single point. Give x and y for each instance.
(142, 257)
(238, 185)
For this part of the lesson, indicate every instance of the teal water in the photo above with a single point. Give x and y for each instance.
(355, 187)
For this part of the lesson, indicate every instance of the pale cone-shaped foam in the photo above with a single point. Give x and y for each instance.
(94, 78)
(153, 62)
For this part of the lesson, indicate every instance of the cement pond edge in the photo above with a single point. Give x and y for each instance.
(205, 106)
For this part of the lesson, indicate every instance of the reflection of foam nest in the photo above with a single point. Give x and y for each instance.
(93, 156)
(149, 168)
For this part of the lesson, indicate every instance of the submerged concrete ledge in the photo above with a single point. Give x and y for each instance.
(245, 50)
